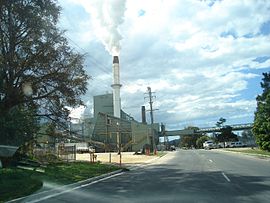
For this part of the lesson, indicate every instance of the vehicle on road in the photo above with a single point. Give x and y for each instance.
(82, 147)
(172, 148)
(234, 144)
(209, 144)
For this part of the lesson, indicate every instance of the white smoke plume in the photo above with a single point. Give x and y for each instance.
(107, 16)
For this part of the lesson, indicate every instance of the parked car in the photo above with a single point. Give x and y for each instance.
(238, 144)
(172, 148)
(209, 144)
(234, 144)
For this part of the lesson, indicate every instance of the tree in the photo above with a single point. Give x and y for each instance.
(40, 75)
(226, 135)
(201, 140)
(190, 140)
(261, 128)
(52, 132)
(18, 121)
(220, 122)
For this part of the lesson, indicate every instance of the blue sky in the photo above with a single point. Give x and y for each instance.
(203, 59)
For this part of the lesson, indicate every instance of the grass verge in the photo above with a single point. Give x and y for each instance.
(161, 153)
(66, 173)
(16, 183)
(251, 151)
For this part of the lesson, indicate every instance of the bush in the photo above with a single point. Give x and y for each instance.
(201, 140)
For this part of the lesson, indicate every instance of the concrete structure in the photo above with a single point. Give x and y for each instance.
(235, 127)
(103, 104)
(106, 129)
(143, 115)
(134, 135)
(116, 88)
(140, 135)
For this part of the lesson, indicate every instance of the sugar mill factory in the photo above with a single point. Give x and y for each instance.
(110, 124)
(111, 127)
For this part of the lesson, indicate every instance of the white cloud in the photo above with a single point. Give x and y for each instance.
(199, 59)
(76, 113)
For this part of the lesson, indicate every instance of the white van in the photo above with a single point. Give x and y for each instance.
(238, 144)
(234, 144)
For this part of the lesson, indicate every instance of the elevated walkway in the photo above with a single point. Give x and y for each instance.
(183, 132)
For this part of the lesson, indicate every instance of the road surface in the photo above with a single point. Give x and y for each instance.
(181, 176)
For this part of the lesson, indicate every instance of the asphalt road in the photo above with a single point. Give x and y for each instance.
(181, 176)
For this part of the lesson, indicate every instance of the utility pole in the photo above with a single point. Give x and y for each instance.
(151, 96)
(119, 143)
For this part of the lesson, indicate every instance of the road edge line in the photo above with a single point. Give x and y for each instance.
(226, 177)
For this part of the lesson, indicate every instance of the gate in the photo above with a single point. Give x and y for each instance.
(67, 153)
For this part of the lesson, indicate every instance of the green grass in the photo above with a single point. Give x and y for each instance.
(65, 173)
(251, 151)
(16, 183)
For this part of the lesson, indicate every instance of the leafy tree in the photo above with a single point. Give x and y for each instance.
(187, 141)
(40, 75)
(261, 128)
(226, 135)
(190, 140)
(18, 121)
(220, 122)
(52, 132)
(201, 140)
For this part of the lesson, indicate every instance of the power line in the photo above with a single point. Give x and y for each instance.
(105, 69)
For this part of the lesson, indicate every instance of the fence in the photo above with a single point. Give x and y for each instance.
(67, 153)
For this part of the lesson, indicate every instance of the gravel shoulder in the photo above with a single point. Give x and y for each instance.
(128, 158)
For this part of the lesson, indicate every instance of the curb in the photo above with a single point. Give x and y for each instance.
(67, 187)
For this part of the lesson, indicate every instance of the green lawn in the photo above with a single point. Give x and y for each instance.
(66, 173)
(16, 183)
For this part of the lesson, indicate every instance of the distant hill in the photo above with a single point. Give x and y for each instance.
(175, 142)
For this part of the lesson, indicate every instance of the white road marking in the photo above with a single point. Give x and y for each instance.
(210, 160)
(71, 189)
(226, 177)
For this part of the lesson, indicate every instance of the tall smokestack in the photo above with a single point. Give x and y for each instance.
(143, 115)
(116, 88)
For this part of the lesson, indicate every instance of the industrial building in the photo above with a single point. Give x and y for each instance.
(134, 135)
(111, 127)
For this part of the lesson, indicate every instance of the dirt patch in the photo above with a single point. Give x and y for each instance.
(127, 158)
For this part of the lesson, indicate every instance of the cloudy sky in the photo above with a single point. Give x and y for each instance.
(203, 59)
